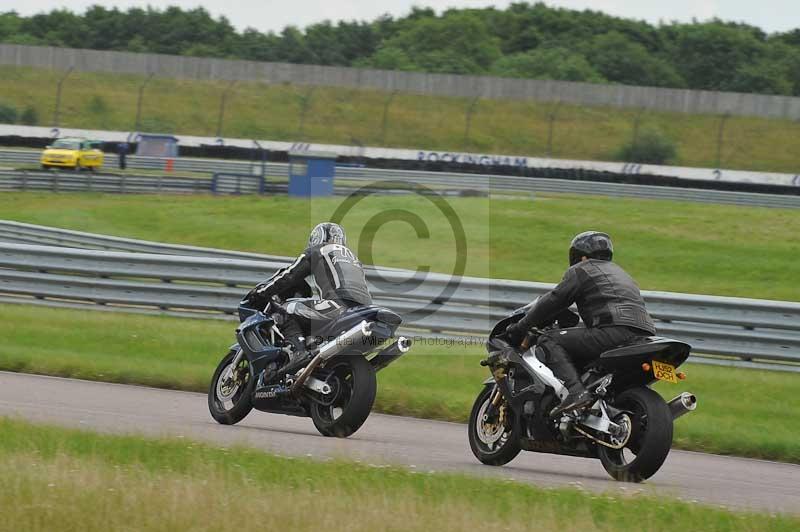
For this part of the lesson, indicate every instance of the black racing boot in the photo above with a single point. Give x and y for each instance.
(299, 355)
(578, 396)
(297, 351)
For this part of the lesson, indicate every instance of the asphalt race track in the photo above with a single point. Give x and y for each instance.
(415, 443)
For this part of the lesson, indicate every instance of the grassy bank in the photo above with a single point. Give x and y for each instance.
(70, 480)
(346, 116)
(738, 411)
(665, 245)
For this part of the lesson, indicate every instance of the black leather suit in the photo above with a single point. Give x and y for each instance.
(609, 303)
(335, 274)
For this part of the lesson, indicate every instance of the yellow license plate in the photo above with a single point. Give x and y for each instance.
(664, 372)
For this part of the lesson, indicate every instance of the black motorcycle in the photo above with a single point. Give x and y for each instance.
(628, 427)
(336, 388)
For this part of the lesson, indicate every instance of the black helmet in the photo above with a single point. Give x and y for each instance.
(327, 233)
(592, 244)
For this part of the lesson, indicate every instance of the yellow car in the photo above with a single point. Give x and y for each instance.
(73, 152)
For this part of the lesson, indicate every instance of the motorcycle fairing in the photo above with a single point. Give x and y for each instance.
(537, 367)
(531, 361)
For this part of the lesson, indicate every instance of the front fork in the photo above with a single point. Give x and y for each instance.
(501, 390)
(237, 358)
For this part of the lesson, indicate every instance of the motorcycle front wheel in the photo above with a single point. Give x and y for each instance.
(353, 383)
(229, 396)
(492, 438)
(650, 439)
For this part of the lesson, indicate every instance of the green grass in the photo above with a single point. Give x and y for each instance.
(741, 412)
(70, 480)
(665, 245)
(347, 116)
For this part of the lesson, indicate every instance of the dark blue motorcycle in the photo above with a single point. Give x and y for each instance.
(336, 388)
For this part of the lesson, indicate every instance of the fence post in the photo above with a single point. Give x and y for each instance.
(222, 107)
(720, 134)
(636, 122)
(473, 105)
(262, 155)
(139, 101)
(385, 121)
(57, 111)
(305, 103)
(551, 121)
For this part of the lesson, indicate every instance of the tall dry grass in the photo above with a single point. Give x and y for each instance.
(70, 494)
(67, 480)
(337, 115)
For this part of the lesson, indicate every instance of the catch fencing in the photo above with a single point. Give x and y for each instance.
(348, 177)
(615, 95)
(735, 331)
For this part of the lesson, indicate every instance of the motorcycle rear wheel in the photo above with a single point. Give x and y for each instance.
(229, 402)
(650, 440)
(355, 387)
(489, 444)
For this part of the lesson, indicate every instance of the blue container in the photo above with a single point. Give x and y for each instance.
(311, 173)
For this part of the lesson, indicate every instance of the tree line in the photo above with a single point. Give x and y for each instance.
(524, 41)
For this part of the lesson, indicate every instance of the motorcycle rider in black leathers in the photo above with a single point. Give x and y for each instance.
(609, 303)
(335, 274)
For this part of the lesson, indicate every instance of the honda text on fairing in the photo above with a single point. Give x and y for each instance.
(627, 425)
(309, 356)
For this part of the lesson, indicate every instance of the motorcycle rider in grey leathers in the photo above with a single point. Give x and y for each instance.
(337, 280)
(609, 303)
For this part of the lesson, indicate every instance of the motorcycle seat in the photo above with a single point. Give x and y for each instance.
(354, 315)
(644, 349)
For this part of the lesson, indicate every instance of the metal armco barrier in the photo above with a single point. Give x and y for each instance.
(744, 332)
(22, 233)
(11, 180)
(224, 183)
(179, 164)
(88, 182)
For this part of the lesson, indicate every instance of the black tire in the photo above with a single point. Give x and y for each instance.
(45, 167)
(240, 399)
(650, 440)
(508, 441)
(357, 386)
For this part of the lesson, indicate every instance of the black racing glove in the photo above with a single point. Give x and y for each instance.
(515, 334)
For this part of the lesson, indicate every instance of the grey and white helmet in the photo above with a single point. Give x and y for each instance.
(327, 233)
(591, 244)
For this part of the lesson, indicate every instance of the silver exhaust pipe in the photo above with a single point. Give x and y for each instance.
(389, 354)
(683, 404)
(332, 348)
(348, 338)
